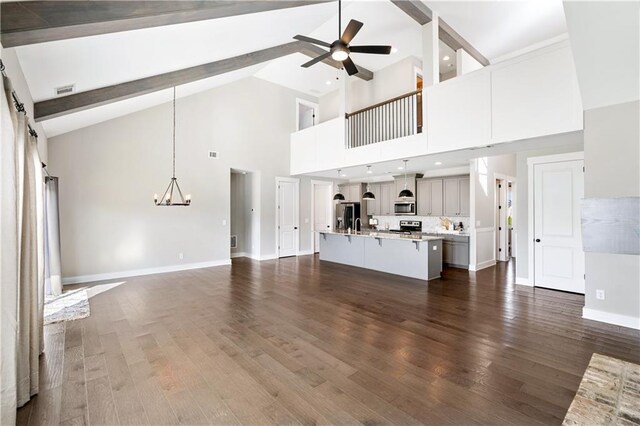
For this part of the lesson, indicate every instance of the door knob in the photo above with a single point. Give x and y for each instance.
(295, 227)
(537, 240)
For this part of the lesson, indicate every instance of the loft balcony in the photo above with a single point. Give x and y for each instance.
(529, 96)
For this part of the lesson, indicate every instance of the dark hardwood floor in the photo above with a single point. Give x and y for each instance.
(303, 341)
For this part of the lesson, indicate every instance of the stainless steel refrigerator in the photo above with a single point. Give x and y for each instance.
(346, 215)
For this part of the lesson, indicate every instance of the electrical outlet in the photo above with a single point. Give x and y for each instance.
(180, 256)
(600, 294)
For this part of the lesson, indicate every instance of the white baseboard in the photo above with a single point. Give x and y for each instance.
(304, 252)
(147, 271)
(616, 319)
(523, 281)
(482, 265)
(239, 254)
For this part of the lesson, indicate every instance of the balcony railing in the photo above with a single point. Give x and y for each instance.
(391, 119)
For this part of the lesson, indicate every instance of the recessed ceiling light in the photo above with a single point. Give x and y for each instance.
(369, 171)
(394, 50)
(343, 175)
(328, 83)
(446, 58)
(438, 163)
(400, 168)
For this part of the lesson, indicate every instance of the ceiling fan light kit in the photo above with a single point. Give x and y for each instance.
(340, 50)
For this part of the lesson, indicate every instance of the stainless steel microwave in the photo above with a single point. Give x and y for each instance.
(404, 208)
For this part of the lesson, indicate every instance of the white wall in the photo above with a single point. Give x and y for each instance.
(466, 63)
(387, 83)
(110, 171)
(556, 144)
(612, 169)
(13, 70)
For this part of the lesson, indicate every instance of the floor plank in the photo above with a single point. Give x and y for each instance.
(299, 341)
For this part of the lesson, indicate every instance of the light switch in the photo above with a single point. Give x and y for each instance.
(435, 248)
(224, 222)
(306, 220)
(477, 223)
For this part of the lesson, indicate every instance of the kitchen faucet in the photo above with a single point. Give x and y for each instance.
(355, 224)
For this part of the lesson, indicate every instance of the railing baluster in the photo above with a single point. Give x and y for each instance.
(392, 119)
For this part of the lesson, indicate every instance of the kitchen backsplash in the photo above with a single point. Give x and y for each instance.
(429, 223)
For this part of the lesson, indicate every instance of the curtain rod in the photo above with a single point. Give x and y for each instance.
(16, 102)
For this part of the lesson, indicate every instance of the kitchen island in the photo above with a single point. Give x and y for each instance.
(407, 255)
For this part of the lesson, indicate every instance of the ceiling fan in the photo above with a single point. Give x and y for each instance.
(340, 49)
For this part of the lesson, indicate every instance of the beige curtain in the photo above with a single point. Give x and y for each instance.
(8, 261)
(24, 251)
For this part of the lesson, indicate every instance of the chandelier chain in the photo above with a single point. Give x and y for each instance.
(174, 131)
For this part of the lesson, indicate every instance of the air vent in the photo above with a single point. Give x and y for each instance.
(213, 154)
(64, 90)
(234, 241)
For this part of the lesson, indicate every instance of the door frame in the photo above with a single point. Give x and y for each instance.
(296, 204)
(531, 162)
(316, 112)
(315, 183)
(502, 196)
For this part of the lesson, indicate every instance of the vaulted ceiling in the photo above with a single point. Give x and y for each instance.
(495, 28)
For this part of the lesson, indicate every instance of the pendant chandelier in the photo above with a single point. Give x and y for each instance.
(405, 193)
(338, 196)
(368, 196)
(168, 196)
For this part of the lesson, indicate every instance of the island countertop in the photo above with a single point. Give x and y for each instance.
(385, 235)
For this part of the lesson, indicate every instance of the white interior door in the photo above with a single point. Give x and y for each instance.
(287, 218)
(558, 255)
(322, 217)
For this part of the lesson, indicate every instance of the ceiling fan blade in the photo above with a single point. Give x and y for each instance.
(350, 66)
(312, 40)
(379, 50)
(316, 60)
(351, 31)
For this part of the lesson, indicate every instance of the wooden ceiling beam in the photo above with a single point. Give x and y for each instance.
(57, 107)
(420, 13)
(40, 21)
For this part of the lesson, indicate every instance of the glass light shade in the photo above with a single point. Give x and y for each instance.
(339, 54)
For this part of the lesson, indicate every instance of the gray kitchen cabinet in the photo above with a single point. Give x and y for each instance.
(451, 196)
(387, 198)
(351, 191)
(455, 252)
(456, 198)
(355, 195)
(429, 197)
(464, 194)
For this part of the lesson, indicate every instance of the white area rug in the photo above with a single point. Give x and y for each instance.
(70, 305)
